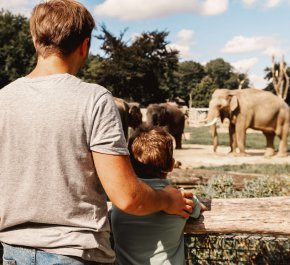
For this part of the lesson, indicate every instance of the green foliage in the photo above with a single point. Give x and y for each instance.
(219, 71)
(146, 70)
(215, 74)
(92, 70)
(222, 186)
(202, 93)
(17, 54)
(189, 75)
(266, 187)
(217, 187)
(142, 70)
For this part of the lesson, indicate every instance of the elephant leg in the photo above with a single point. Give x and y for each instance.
(241, 138)
(283, 145)
(233, 138)
(178, 140)
(270, 144)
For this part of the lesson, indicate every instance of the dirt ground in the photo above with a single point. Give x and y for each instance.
(202, 155)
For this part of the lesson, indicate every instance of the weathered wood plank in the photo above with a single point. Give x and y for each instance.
(253, 216)
(193, 177)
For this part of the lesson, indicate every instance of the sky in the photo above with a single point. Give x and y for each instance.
(245, 33)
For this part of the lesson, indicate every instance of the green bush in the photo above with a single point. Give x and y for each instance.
(223, 187)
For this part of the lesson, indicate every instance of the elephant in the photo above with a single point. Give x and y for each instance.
(250, 108)
(168, 116)
(130, 114)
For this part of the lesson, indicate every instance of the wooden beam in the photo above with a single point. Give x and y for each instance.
(193, 177)
(252, 216)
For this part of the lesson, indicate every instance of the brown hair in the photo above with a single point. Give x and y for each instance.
(60, 26)
(151, 152)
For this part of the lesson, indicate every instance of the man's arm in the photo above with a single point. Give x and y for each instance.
(133, 196)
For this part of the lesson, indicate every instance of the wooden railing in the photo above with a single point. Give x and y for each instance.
(250, 216)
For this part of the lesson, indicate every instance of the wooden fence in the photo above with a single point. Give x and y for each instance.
(250, 216)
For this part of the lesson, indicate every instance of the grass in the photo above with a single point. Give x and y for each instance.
(202, 136)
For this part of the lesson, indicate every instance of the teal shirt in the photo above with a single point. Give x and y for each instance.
(155, 239)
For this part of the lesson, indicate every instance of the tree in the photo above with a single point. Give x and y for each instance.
(275, 70)
(17, 54)
(155, 65)
(220, 72)
(202, 93)
(92, 70)
(140, 71)
(189, 74)
(237, 81)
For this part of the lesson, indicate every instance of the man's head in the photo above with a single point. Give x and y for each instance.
(59, 27)
(151, 152)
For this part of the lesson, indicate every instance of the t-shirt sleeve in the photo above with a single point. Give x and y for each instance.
(107, 135)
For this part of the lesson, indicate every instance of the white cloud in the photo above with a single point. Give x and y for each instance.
(241, 44)
(244, 66)
(272, 3)
(258, 81)
(23, 7)
(249, 3)
(184, 41)
(185, 36)
(142, 9)
(262, 3)
(212, 7)
(274, 51)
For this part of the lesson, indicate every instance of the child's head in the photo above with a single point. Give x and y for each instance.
(60, 26)
(151, 152)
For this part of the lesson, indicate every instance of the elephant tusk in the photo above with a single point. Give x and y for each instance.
(214, 121)
(205, 123)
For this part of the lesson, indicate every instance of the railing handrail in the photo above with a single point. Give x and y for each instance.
(269, 215)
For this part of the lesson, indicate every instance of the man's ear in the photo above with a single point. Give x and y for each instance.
(34, 42)
(85, 46)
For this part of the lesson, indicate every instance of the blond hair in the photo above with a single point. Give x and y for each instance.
(60, 26)
(151, 152)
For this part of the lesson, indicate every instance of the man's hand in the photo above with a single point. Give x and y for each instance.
(179, 201)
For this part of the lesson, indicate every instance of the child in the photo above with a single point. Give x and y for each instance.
(156, 238)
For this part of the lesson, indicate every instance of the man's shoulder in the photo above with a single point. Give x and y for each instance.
(88, 86)
(12, 84)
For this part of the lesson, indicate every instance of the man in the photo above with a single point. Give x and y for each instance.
(62, 148)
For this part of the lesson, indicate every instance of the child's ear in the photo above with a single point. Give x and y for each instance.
(172, 164)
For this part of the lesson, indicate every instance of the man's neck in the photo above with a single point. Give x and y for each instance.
(53, 65)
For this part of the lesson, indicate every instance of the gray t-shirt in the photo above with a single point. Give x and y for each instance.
(51, 197)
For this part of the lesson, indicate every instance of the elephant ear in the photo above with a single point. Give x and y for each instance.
(234, 104)
(164, 116)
